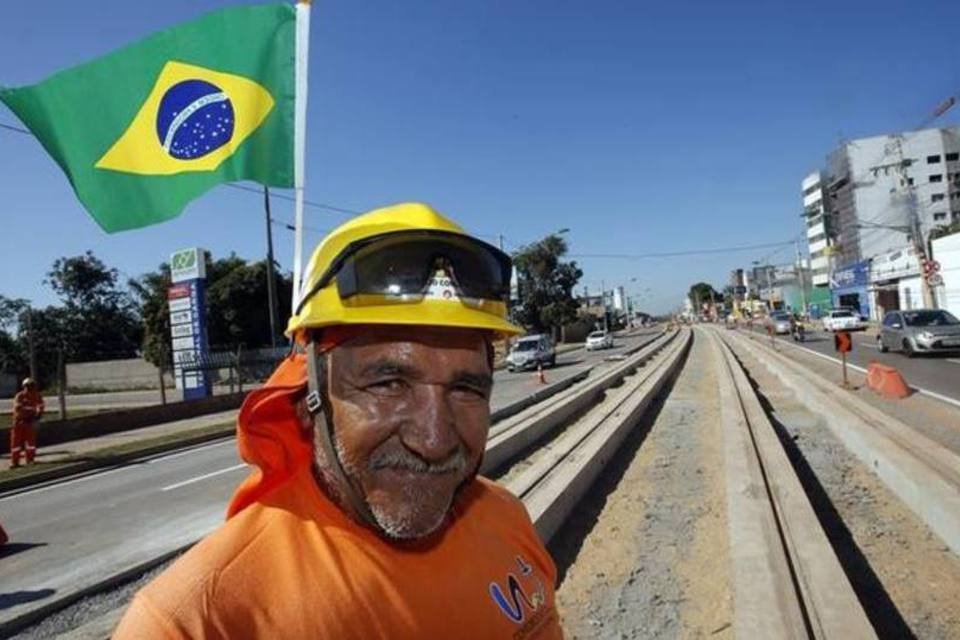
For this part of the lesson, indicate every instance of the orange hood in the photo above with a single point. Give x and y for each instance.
(270, 434)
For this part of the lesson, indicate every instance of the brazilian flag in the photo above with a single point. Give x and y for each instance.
(144, 130)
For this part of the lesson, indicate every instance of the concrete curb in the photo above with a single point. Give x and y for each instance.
(923, 474)
(559, 487)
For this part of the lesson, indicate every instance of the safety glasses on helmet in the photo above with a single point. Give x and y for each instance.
(402, 264)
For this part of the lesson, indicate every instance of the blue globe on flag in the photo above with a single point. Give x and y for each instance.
(195, 118)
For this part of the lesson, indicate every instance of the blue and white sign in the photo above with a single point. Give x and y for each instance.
(188, 331)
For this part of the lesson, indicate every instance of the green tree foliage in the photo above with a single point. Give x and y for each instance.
(703, 293)
(546, 285)
(237, 309)
(150, 294)
(98, 319)
(13, 357)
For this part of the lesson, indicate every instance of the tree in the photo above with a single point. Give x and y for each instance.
(13, 355)
(703, 293)
(237, 310)
(546, 285)
(98, 321)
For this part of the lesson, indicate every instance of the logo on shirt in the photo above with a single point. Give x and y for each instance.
(514, 601)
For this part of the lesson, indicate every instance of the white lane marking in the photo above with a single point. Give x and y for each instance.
(163, 458)
(57, 485)
(203, 477)
(926, 392)
(952, 360)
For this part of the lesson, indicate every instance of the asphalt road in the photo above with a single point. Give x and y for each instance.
(69, 535)
(937, 374)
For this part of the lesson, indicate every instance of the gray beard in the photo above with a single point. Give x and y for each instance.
(397, 523)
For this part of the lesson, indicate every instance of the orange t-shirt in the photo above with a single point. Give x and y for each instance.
(293, 565)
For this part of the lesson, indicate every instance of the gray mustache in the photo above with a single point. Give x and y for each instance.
(405, 460)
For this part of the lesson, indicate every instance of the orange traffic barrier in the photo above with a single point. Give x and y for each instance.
(887, 381)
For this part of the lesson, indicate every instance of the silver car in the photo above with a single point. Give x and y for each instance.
(781, 322)
(530, 352)
(919, 331)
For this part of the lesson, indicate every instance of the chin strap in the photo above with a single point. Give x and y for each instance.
(322, 416)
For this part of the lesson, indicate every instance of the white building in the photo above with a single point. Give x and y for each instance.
(946, 251)
(818, 239)
(868, 190)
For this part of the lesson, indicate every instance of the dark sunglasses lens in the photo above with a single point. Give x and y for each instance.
(404, 265)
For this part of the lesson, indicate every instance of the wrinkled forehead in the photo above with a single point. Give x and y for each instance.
(426, 346)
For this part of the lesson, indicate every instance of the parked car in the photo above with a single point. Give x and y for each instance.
(780, 321)
(599, 340)
(530, 352)
(842, 320)
(919, 331)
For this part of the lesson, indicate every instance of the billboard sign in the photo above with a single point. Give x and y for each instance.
(188, 331)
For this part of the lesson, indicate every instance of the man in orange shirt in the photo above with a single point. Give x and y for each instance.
(365, 517)
(27, 410)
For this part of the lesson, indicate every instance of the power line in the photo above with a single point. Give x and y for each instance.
(240, 187)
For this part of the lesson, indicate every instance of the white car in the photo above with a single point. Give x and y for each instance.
(599, 340)
(841, 320)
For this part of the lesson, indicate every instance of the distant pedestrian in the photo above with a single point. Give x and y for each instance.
(27, 410)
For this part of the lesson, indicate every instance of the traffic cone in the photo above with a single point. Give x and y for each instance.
(542, 379)
(887, 381)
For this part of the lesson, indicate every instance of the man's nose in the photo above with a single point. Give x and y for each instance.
(431, 431)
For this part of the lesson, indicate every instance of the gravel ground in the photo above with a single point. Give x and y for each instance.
(646, 555)
(937, 420)
(80, 620)
(906, 578)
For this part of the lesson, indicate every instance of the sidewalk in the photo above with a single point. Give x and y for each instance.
(81, 455)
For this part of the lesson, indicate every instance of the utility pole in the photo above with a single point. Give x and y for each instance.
(500, 241)
(271, 278)
(913, 216)
(30, 348)
(603, 297)
(800, 279)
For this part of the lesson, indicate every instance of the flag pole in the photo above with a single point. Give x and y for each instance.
(300, 139)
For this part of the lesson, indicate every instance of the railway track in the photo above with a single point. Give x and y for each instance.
(922, 473)
(787, 580)
(559, 473)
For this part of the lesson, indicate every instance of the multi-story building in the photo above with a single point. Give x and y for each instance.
(869, 191)
(871, 182)
(819, 238)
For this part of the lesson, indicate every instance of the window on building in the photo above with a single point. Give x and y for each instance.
(955, 215)
(933, 159)
(952, 157)
(910, 181)
(936, 177)
(940, 215)
(936, 197)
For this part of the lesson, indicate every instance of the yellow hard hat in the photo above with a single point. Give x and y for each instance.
(338, 288)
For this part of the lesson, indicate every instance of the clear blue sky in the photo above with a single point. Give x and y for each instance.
(641, 126)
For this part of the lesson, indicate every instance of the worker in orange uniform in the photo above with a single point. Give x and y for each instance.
(27, 410)
(365, 517)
